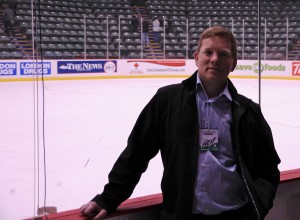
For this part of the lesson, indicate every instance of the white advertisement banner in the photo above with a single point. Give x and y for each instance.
(268, 68)
(156, 67)
(17, 70)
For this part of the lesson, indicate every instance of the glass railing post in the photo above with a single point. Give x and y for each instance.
(107, 33)
(119, 41)
(187, 38)
(164, 25)
(84, 35)
(287, 39)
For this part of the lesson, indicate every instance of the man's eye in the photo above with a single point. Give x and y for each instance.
(224, 54)
(207, 52)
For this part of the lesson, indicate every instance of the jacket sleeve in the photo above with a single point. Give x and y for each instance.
(266, 166)
(263, 168)
(142, 146)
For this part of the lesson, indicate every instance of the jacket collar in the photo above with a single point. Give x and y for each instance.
(190, 85)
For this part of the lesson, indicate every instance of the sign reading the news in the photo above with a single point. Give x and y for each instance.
(8, 69)
(101, 66)
(35, 68)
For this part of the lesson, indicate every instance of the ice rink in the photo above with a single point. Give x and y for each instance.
(85, 127)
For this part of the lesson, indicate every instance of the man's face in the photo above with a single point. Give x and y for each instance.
(215, 60)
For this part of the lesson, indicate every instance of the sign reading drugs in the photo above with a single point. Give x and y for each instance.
(35, 68)
(8, 69)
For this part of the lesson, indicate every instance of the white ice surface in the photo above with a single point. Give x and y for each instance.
(86, 127)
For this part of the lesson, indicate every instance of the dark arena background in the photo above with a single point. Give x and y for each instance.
(74, 76)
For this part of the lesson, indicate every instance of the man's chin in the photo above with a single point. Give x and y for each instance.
(213, 74)
(215, 78)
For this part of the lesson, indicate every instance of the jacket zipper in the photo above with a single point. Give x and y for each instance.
(241, 166)
(248, 189)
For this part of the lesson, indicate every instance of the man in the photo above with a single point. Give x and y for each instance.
(145, 30)
(8, 20)
(13, 4)
(156, 29)
(217, 149)
(134, 22)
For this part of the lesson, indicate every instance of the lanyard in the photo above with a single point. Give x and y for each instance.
(208, 112)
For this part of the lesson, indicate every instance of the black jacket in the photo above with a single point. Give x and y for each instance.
(169, 124)
(145, 26)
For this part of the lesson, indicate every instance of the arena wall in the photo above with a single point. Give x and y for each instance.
(26, 70)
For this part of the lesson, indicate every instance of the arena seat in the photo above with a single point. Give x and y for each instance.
(67, 16)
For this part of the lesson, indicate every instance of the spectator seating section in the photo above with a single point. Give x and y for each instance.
(101, 28)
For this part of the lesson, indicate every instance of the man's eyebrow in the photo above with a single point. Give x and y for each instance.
(226, 50)
(206, 47)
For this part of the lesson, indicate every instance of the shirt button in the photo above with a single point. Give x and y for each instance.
(203, 165)
(203, 189)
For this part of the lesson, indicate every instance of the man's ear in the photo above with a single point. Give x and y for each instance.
(196, 54)
(234, 65)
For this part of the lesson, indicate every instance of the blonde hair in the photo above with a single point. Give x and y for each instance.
(218, 31)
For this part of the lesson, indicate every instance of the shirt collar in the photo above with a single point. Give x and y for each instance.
(225, 92)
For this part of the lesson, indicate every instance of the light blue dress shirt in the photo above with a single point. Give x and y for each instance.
(218, 186)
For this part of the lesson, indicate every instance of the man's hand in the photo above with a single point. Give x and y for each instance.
(91, 209)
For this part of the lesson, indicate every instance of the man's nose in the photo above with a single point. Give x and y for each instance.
(214, 57)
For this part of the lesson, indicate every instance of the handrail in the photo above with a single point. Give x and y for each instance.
(289, 175)
(128, 206)
(144, 203)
